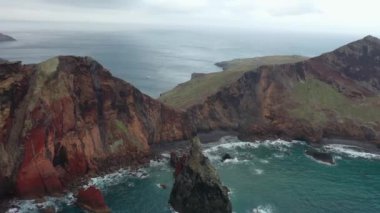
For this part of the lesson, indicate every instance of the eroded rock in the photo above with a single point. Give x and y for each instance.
(321, 156)
(92, 200)
(197, 187)
(67, 117)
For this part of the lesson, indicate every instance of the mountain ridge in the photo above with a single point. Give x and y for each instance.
(68, 116)
(310, 100)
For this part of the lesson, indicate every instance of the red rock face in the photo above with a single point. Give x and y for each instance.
(259, 104)
(68, 116)
(91, 199)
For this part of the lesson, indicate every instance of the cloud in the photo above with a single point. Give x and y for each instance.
(306, 14)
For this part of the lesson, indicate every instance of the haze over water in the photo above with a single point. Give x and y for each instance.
(156, 60)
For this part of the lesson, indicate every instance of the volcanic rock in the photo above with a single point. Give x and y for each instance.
(225, 157)
(68, 117)
(321, 156)
(335, 95)
(92, 200)
(197, 187)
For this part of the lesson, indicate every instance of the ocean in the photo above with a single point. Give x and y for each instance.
(273, 176)
(157, 60)
(267, 177)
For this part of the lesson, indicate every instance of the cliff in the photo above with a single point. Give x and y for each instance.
(68, 116)
(4, 37)
(197, 187)
(203, 85)
(332, 95)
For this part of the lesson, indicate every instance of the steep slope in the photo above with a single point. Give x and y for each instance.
(68, 116)
(204, 85)
(333, 95)
(197, 187)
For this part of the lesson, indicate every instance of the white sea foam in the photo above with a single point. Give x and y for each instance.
(351, 151)
(259, 171)
(158, 163)
(279, 144)
(165, 155)
(234, 161)
(231, 145)
(102, 182)
(26, 206)
(263, 209)
(279, 155)
(264, 161)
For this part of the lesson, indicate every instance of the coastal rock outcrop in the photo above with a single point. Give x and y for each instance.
(321, 156)
(68, 116)
(197, 187)
(335, 95)
(4, 37)
(92, 200)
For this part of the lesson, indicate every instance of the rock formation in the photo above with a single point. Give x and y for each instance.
(4, 37)
(197, 187)
(92, 200)
(68, 116)
(321, 156)
(335, 95)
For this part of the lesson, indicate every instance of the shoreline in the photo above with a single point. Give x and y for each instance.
(206, 138)
(365, 146)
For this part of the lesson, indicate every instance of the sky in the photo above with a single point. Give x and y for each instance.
(299, 15)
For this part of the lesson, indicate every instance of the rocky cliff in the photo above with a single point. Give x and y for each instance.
(68, 116)
(333, 95)
(197, 187)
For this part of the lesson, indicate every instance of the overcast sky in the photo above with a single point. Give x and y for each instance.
(361, 16)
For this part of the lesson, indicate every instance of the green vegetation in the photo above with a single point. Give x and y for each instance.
(317, 99)
(197, 89)
(246, 64)
(48, 67)
(121, 127)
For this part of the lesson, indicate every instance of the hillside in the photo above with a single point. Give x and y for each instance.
(67, 117)
(332, 95)
(202, 86)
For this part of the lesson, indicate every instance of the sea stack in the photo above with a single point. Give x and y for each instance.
(197, 187)
(92, 200)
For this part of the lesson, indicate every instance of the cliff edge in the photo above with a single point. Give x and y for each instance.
(67, 117)
(335, 95)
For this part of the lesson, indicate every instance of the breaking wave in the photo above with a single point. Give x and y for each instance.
(263, 209)
(33, 206)
(351, 151)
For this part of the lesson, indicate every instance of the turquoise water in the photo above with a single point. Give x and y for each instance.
(273, 176)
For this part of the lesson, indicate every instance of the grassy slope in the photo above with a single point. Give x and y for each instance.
(197, 89)
(317, 99)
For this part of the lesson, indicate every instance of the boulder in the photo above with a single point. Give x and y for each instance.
(92, 200)
(225, 157)
(321, 156)
(197, 187)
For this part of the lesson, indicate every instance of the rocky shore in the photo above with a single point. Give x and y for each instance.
(68, 118)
